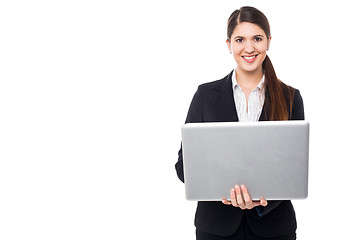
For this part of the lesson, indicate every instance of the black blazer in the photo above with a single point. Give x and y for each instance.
(214, 102)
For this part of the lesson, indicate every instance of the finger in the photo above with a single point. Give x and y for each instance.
(233, 198)
(225, 201)
(247, 199)
(239, 198)
(263, 202)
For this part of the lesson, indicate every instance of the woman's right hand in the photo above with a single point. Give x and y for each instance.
(240, 198)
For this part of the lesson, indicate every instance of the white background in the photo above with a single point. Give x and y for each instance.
(93, 94)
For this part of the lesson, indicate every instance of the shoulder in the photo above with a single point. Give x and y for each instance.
(216, 85)
(295, 102)
(210, 86)
(291, 92)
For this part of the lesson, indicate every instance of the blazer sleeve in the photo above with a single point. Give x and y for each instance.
(195, 114)
(298, 107)
(297, 114)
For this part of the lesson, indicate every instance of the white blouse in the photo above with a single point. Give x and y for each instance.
(252, 112)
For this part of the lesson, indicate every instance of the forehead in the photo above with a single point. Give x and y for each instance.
(246, 29)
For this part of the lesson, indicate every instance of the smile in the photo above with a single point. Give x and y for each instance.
(250, 59)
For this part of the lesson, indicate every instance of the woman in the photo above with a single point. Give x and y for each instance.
(251, 92)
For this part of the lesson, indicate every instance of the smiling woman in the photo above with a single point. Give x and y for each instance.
(248, 39)
(251, 92)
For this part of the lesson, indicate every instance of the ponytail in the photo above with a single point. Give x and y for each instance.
(278, 93)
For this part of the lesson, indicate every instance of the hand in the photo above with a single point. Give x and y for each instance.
(241, 198)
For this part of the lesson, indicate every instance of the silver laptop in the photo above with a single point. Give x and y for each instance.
(269, 157)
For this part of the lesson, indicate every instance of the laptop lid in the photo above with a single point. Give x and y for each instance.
(269, 157)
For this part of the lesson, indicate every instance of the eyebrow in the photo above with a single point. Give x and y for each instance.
(258, 35)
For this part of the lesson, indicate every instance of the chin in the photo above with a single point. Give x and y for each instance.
(250, 69)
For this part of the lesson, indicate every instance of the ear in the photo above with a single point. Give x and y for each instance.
(268, 43)
(228, 45)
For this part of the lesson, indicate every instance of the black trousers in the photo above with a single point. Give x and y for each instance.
(243, 233)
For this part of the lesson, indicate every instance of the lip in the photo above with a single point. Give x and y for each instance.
(250, 58)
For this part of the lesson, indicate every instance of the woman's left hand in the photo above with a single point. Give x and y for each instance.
(241, 198)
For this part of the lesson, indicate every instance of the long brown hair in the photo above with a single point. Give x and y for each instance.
(278, 93)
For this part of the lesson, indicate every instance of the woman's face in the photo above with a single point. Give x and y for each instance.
(248, 45)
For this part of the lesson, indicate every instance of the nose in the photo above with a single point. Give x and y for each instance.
(249, 48)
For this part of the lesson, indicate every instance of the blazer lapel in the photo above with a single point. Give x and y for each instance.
(264, 115)
(225, 105)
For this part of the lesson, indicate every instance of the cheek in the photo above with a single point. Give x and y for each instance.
(262, 48)
(236, 47)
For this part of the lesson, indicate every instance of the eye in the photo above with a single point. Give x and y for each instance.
(258, 39)
(239, 40)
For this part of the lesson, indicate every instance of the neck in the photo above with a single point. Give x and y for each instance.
(248, 80)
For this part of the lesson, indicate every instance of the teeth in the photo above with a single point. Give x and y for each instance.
(248, 58)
